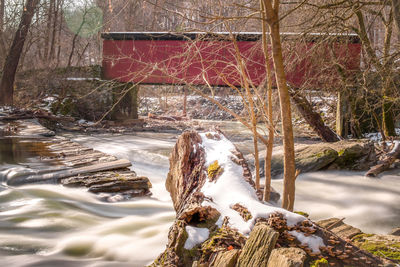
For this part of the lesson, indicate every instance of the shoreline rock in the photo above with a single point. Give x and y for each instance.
(342, 155)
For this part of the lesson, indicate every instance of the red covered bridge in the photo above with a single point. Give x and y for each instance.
(211, 58)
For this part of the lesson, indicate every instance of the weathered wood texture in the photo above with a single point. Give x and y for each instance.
(186, 177)
(258, 247)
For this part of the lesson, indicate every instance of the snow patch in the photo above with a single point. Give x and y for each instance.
(377, 136)
(313, 242)
(82, 79)
(231, 188)
(196, 236)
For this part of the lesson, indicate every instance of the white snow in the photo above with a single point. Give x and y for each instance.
(377, 136)
(81, 79)
(196, 236)
(313, 242)
(231, 188)
(395, 147)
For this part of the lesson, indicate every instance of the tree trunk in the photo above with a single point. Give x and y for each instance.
(12, 60)
(54, 31)
(48, 32)
(313, 118)
(284, 97)
(396, 13)
(342, 114)
(2, 45)
(270, 120)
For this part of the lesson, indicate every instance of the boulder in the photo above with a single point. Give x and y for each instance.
(384, 246)
(287, 257)
(395, 231)
(226, 258)
(343, 155)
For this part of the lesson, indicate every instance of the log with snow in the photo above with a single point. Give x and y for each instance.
(215, 199)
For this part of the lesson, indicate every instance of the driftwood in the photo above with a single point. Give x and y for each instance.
(386, 163)
(186, 178)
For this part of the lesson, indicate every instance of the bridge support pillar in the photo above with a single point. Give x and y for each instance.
(125, 101)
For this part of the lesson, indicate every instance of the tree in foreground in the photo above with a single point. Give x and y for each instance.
(271, 15)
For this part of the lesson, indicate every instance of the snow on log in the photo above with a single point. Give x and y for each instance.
(211, 189)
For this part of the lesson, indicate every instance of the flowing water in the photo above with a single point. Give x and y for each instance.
(50, 225)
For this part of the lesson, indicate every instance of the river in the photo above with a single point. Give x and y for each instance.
(50, 225)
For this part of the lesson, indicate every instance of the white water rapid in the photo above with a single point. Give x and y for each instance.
(50, 225)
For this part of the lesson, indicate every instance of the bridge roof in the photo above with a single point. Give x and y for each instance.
(242, 36)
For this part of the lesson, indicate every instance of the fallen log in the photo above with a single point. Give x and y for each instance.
(17, 179)
(313, 118)
(386, 163)
(217, 209)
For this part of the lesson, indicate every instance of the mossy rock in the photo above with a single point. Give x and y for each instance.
(308, 159)
(348, 156)
(386, 246)
(314, 158)
(345, 155)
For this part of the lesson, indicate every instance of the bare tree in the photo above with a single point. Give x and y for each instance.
(12, 60)
(271, 11)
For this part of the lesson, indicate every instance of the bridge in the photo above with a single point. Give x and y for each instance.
(211, 59)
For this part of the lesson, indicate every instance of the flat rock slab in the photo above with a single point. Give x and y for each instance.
(340, 228)
(123, 182)
(78, 166)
